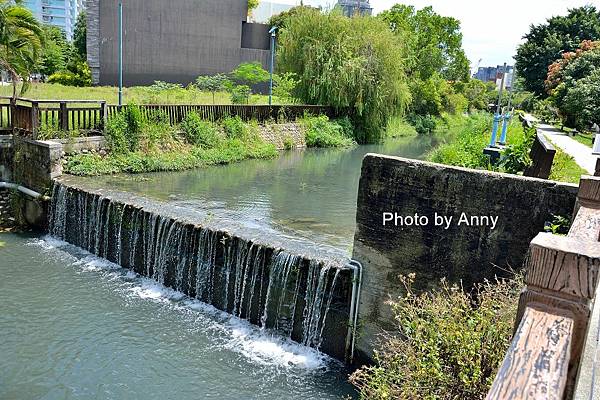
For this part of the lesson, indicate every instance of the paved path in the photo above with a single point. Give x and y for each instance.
(579, 151)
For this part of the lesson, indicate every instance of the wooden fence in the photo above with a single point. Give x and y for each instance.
(261, 113)
(28, 116)
(554, 331)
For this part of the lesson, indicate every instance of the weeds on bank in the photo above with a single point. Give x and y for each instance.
(449, 343)
(145, 144)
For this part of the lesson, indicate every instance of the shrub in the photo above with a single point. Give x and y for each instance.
(199, 132)
(515, 158)
(424, 124)
(321, 132)
(240, 94)
(235, 128)
(449, 343)
(123, 130)
(77, 74)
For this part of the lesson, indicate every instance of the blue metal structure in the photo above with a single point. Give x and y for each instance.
(498, 115)
(272, 31)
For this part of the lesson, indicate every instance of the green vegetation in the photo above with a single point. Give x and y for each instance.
(546, 42)
(586, 139)
(465, 139)
(565, 169)
(399, 127)
(137, 94)
(21, 42)
(140, 144)
(321, 132)
(346, 62)
(448, 345)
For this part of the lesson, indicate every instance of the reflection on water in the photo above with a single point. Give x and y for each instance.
(309, 194)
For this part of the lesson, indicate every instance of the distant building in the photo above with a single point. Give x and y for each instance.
(173, 41)
(353, 7)
(61, 13)
(267, 9)
(494, 74)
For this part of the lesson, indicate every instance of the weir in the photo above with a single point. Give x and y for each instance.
(303, 297)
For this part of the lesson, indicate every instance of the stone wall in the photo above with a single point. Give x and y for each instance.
(6, 157)
(461, 253)
(37, 163)
(284, 136)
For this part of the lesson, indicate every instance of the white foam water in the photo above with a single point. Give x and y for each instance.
(260, 346)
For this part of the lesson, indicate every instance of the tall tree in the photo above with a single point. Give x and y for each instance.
(435, 42)
(80, 35)
(21, 38)
(545, 43)
(56, 51)
(347, 62)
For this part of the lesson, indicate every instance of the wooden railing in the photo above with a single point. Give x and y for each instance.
(542, 156)
(555, 307)
(260, 113)
(30, 116)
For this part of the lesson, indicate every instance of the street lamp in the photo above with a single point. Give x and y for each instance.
(498, 116)
(120, 53)
(272, 32)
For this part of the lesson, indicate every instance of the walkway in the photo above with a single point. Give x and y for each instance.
(579, 151)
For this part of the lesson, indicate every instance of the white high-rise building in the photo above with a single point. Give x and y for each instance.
(61, 13)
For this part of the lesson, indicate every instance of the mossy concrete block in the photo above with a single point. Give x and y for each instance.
(462, 253)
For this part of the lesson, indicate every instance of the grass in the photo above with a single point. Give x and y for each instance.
(136, 94)
(231, 150)
(565, 169)
(584, 139)
(399, 127)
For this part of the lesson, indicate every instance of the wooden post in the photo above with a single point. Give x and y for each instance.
(35, 118)
(555, 307)
(103, 115)
(63, 119)
(597, 167)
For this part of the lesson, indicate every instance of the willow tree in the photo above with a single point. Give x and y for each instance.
(355, 63)
(21, 39)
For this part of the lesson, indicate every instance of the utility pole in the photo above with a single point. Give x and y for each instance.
(120, 53)
(508, 114)
(272, 31)
(498, 116)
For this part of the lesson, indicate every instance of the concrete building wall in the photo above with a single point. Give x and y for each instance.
(461, 253)
(172, 41)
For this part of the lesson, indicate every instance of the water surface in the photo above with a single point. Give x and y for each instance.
(308, 194)
(73, 326)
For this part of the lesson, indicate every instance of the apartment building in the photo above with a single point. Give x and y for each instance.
(61, 13)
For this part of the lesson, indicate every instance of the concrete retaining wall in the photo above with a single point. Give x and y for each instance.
(284, 135)
(460, 253)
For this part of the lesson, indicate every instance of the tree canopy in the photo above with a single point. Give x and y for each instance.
(435, 42)
(545, 43)
(347, 62)
(80, 35)
(21, 39)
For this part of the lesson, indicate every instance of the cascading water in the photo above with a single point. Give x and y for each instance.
(269, 287)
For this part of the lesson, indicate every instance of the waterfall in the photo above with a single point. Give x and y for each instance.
(272, 288)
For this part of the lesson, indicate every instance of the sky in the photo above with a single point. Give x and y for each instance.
(492, 30)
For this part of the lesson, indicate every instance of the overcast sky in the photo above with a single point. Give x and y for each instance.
(490, 33)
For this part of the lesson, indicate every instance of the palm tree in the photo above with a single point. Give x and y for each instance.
(21, 39)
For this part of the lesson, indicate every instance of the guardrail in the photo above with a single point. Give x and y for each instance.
(29, 116)
(554, 324)
(260, 113)
(542, 156)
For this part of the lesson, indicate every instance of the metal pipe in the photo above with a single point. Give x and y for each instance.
(357, 270)
(24, 190)
(120, 52)
(272, 67)
(497, 116)
(508, 114)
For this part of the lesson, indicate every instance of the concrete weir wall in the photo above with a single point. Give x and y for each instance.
(460, 253)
